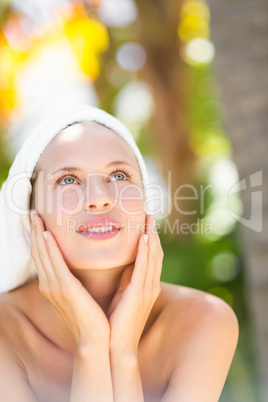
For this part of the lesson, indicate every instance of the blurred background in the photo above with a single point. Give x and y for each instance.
(189, 78)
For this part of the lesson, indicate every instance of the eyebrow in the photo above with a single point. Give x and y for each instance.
(77, 169)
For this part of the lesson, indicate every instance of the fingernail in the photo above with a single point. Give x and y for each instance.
(145, 238)
(45, 235)
(32, 215)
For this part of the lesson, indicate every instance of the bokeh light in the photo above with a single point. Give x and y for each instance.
(131, 56)
(117, 13)
(194, 22)
(223, 175)
(198, 51)
(224, 267)
(134, 105)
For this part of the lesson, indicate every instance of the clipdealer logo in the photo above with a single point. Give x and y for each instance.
(255, 220)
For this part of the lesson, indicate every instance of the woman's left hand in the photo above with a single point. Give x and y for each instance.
(137, 293)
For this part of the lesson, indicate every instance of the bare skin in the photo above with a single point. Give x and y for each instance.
(37, 350)
(98, 324)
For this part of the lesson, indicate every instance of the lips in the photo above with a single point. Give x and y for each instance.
(99, 222)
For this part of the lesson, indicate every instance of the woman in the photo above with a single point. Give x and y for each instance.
(97, 324)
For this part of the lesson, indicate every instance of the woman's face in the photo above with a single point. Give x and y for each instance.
(103, 184)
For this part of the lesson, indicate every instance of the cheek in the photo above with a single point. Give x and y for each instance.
(131, 201)
(60, 201)
(69, 200)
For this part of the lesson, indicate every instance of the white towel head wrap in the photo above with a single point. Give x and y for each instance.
(16, 264)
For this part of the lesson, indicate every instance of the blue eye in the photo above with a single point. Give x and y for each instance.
(66, 179)
(120, 175)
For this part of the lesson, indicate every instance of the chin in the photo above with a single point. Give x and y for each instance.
(99, 260)
(120, 253)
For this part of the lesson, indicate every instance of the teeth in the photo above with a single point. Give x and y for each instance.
(101, 229)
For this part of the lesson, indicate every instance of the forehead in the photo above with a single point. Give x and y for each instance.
(89, 141)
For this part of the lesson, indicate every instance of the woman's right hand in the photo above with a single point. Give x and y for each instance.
(84, 316)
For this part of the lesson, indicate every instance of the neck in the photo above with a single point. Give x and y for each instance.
(100, 284)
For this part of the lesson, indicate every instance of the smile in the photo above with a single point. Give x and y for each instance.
(100, 233)
(100, 229)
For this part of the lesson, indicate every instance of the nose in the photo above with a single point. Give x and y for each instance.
(98, 194)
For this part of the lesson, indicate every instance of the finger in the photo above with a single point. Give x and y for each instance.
(50, 255)
(43, 257)
(148, 218)
(155, 257)
(140, 267)
(159, 255)
(35, 256)
(59, 266)
(125, 278)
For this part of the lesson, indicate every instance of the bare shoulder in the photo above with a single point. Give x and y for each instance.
(201, 338)
(14, 324)
(197, 323)
(194, 308)
(10, 321)
(14, 383)
(8, 312)
(13, 374)
(9, 330)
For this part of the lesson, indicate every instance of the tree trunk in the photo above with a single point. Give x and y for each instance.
(240, 35)
(167, 75)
